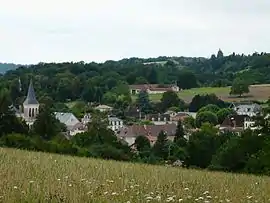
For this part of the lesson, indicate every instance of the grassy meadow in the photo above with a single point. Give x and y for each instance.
(257, 92)
(40, 177)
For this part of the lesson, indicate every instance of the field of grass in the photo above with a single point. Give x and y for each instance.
(257, 92)
(40, 177)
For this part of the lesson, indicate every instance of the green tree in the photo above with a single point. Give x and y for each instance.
(161, 147)
(239, 87)
(206, 117)
(46, 125)
(144, 102)
(180, 133)
(222, 114)
(235, 153)
(9, 123)
(189, 122)
(171, 99)
(142, 143)
(186, 80)
(202, 146)
(210, 107)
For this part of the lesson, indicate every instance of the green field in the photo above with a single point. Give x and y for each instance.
(40, 177)
(257, 92)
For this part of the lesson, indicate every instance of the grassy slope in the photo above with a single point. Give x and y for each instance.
(38, 177)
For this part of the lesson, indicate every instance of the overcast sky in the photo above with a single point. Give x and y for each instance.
(32, 31)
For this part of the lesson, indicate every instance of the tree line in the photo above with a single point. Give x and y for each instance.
(108, 82)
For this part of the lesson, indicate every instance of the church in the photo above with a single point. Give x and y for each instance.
(30, 106)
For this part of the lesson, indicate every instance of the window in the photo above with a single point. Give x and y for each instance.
(29, 113)
(33, 112)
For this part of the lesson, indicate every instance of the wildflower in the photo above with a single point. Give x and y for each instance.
(58, 179)
(31, 181)
(131, 186)
(105, 193)
(90, 192)
(149, 198)
(209, 197)
(200, 198)
(70, 185)
(125, 190)
(114, 193)
(249, 197)
(180, 200)
(206, 192)
(186, 189)
(15, 187)
(158, 197)
(169, 199)
(227, 200)
(128, 201)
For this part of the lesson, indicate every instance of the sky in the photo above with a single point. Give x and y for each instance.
(33, 31)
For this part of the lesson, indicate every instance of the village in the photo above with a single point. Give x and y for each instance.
(152, 125)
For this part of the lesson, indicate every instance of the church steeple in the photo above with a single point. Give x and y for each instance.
(31, 96)
(30, 105)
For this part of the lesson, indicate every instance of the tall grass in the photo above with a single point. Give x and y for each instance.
(40, 177)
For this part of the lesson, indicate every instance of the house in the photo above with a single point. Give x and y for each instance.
(73, 125)
(103, 108)
(130, 133)
(153, 88)
(182, 116)
(250, 110)
(158, 119)
(115, 123)
(30, 108)
(236, 123)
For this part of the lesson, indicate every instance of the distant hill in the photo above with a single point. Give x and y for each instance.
(4, 67)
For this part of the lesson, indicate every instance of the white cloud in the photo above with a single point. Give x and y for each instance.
(69, 30)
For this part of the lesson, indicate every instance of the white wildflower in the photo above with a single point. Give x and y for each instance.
(31, 181)
(206, 192)
(249, 197)
(169, 199)
(125, 190)
(105, 193)
(114, 193)
(158, 197)
(200, 198)
(209, 197)
(149, 198)
(186, 188)
(15, 187)
(58, 179)
(70, 185)
(180, 200)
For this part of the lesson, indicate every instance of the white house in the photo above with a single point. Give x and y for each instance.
(250, 110)
(153, 88)
(115, 123)
(74, 126)
(103, 108)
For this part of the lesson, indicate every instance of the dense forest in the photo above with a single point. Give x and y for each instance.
(107, 82)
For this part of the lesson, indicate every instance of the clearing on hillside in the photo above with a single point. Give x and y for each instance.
(41, 177)
(257, 92)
